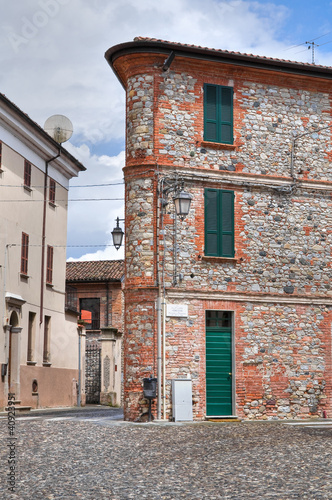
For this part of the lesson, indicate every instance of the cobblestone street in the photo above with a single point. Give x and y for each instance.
(98, 457)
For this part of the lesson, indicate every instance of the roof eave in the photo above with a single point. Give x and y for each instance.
(259, 62)
(39, 131)
(94, 280)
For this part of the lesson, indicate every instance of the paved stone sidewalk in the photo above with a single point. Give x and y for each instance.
(121, 461)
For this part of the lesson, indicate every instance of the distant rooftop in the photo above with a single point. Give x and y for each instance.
(95, 270)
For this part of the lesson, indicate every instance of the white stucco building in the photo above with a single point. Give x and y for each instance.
(39, 346)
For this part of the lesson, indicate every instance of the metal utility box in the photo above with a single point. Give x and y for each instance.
(182, 399)
(150, 388)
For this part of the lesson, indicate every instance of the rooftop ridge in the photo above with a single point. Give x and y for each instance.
(95, 270)
(229, 52)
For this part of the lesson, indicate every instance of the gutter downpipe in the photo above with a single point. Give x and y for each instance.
(44, 237)
(159, 312)
(5, 284)
(164, 357)
(5, 319)
(79, 368)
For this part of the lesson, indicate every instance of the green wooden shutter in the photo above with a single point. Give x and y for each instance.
(227, 223)
(226, 125)
(218, 113)
(211, 113)
(211, 222)
(219, 223)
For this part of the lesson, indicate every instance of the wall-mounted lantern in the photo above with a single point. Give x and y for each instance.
(182, 201)
(117, 234)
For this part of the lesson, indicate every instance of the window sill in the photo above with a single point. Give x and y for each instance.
(24, 277)
(49, 285)
(31, 363)
(46, 363)
(52, 204)
(27, 188)
(1, 170)
(210, 258)
(218, 145)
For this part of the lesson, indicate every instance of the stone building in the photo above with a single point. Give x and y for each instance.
(95, 291)
(39, 352)
(237, 296)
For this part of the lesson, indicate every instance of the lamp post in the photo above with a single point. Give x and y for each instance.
(182, 202)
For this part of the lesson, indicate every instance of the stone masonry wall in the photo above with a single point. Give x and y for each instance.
(283, 244)
(140, 97)
(278, 284)
(283, 357)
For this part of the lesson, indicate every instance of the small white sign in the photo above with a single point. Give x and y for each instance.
(178, 310)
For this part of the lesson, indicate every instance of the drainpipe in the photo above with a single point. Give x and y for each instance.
(159, 357)
(107, 323)
(43, 237)
(5, 284)
(5, 320)
(164, 357)
(158, 310)
(79, 368)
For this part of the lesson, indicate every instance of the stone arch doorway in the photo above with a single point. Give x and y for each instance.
(14, 355)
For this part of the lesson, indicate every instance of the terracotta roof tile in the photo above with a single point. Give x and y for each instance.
(95, 270)
(231, 52)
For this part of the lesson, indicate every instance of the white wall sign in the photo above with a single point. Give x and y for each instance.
(178, 310)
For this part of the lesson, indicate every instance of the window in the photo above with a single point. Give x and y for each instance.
(27, 174)
(218, 319)
(219, 223)
(0, 155)
(49, 267)
(31, 336)
(90, 313)
(218, 113)
(52, 191)
(47, 339)
(24, 253)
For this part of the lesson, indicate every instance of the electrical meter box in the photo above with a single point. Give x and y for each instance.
(182, 399)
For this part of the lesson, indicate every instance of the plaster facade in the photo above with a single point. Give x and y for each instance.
(39, 345)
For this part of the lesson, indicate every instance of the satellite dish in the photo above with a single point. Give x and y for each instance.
(59, 127)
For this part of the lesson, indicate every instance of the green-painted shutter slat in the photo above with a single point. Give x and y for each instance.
(218, 113)
(211, 222)
(226, 115)
(210, 113)
(219, 223)
(227, 223)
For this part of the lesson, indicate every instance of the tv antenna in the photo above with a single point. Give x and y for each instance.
(311, 46)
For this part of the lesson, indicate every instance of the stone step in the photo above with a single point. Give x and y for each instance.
(18, 408)
(223, 419)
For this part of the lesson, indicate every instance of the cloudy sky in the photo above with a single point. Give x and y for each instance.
(52, 62)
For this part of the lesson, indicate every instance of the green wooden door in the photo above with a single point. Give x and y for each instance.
(218, 363)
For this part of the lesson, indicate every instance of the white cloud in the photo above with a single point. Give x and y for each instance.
(52, 62)
(58, 66)
(91, 222)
